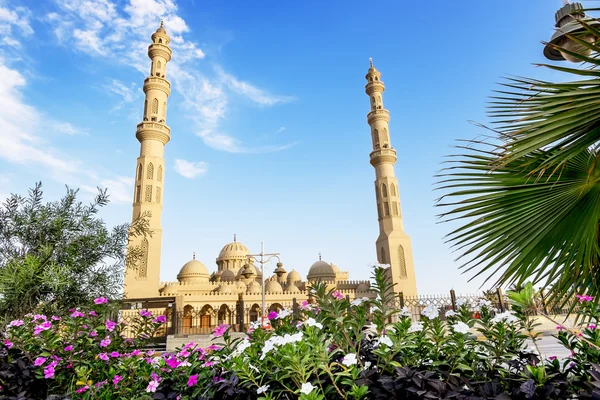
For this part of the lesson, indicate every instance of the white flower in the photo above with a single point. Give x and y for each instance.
(307, 388)
(450, 313)
(358, 302)
(431, 312)
(461, 302)
(276, 340)
(252, 367)
(185, 363)
(283, 314)
(241, 347)
(506, 316)
(405, 312)
(461, 327)
(255, 325)
(415, 327)
(384, 340)
(483, 303)
(313, 322)
(262, 389)
(349, 359)
(367, 364)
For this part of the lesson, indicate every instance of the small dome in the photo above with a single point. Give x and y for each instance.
(294, 276)
(321, 270)
(240, 285)
(335, 268)
(227, 276)
(363, 287)
(282, 279)
(193, 271)
(253, 287)
(223, 289)
(233, 251)
(292, 288)
(273, 287)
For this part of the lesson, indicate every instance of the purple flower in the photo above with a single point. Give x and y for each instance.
(93, 334)
(114, 354)
(43, 327)
(101, 300)
(102, 383)
(105, 342)
(116, 380)
(68, 348)
(560, 328)
(220, 330)
(49, 371)
(161, 319)
(40, 317)
(584, 298)
(103, 356)
(93, 313)
(172, 362)
(337, 295)
(55, 318)
(552, 358)
(136, 352)
(77, 313)
(8, 344)
(214, 347)
(16, 322)
(145, 313)
(110, 325)
(272, 315)
(83, 389)
(192, 380)
(591, 327)
(39, 361)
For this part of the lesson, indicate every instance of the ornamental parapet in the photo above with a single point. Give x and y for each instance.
(153, 131)
(374, 87)
(377, 115)
(155, 82)
(161, 50)
(383, 156)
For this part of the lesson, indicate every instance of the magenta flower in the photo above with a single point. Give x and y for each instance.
(82, 389)
(40, 317)
(172, 362)
(220, 330)
(214, 347)
(552, 358)
(16, 322)
(8, 344)
(116, 380)
(93, 313)
(192, 380)
(584, 298)
(77, 314)
(55, 318)
(161, 319)
(93, 334)
(102, 383)
(40, 328)
(103, 356)
(114, 354)
(49, 371)
(560, 328)
(152, 386)
(68, 348)
(104, 343)
(39, 361)
(101, 300)
(136, 352)
(591, 327)
(110, 325)
(145, 313)
(337, 295)
(272, 315)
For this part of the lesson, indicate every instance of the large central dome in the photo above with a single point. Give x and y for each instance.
(232, 256)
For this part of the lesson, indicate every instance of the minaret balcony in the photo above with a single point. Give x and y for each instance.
(373, 87)
(384, 155)
(377, 115)
(150, 130)
(155, 82)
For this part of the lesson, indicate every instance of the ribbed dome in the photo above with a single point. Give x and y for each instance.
(321, 270)
(335, 268)
(193, 271)
(223, 289)
(227, 276)
(253, 287)
(363, 287)
(233, 251)
(273, 287)
(292, 288)
(294, 276)
(240, 285)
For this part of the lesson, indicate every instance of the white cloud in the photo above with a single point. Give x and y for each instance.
(11, 42)
(190, 169)
(255, 94)
(66, 128)
(280, 129)
(120, 189)
(18, 17)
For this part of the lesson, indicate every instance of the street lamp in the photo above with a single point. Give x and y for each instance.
(262, 262)
(567, 22)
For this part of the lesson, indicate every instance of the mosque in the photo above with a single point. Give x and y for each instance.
(236, 276)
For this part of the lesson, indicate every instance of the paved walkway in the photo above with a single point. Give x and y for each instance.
(550, 346)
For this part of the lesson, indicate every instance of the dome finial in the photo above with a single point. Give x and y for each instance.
(319, 256)
(194, 255)
(162, 23)
(371, 61)
(234, 237)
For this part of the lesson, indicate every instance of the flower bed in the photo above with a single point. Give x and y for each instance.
(333, 349)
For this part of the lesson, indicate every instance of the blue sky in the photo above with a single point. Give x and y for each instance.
(269, 137)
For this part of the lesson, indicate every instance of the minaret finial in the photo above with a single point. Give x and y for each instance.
(194, 255)
(234, 237)
(371, 61)
(319, 256)
(162, 23)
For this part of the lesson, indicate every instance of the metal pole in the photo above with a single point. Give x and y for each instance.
(262, 273)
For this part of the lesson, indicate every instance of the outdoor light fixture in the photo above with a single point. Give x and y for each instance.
(567, 22)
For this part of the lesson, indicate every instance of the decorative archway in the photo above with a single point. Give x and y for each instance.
(224, 315)
(254, 313)
(206, 316)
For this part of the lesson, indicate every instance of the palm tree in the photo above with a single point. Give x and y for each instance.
(528, 197)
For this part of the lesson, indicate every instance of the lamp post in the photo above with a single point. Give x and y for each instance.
(262, 262)
(567, 23)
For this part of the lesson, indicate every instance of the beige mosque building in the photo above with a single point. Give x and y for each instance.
(208, 298)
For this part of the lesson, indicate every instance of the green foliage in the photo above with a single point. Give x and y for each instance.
(58, 255)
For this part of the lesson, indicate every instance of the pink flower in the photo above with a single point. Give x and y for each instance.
(272, 315)
(337, 295)
(39, 361)
(40, 317)
(55, 318)
(116, 380)
(304, 305)
(152, 386)
(43, 327)
(93, 334)
(136, 352)
(145, 313)
(208, 364)
(114, 354)
(161, 319)
(584, 298)
(103, 356)
(101, 300)
(104, 343)
(16, 322)
(552, 358)
(77, 314)
(93, 313)
(49, 372)
(82, 389)
(68, 348)
(560, 328)
(172, 362)
(591, 327)
(102, 383)
(110, 325)
(214, 347)
(8, 344)
(220, 330)
(192, 380)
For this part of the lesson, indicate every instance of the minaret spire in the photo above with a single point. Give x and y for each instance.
(393, 245)
(153, 134)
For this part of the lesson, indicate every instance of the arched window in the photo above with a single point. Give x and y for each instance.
(376, 78)
(382, 259)
(187, 318)
(402, 262)
(379, 210)
(143, 270)
(158, 195)
(393, 189)
(373, 102)
(159, 173)
(395, 208)
(164, 111)
(146, 109)
(160, 41)
(376, 138)
(150, 172)
(371, 79)
(139, 172)
(138, 193)
(254, 313)
(386, 209)
(224, 315)
(205, 316)
(384, 191)
(158, 64)
(386, 137)
(155, 106)
(148, 194)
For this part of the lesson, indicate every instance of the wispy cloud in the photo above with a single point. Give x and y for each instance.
(127, 94)
(253, 93)
(280, 130)
(120, 189)
(66, 128)
(17, 17)
(190, 169)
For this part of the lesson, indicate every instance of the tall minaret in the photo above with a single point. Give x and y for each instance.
(153, 134)
(393, 244)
